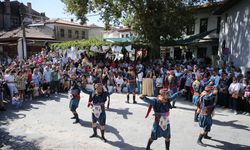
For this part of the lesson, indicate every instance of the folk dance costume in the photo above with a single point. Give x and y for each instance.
(131, 79)
(172, 85)
(206, 108)
(75, 99)
(161, 107)
(97, 100)
(197, 88)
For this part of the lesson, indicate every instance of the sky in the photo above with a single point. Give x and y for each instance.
(55, 9)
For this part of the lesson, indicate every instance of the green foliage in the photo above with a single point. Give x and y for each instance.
(153, 20)
(80, 44)
(86, 44)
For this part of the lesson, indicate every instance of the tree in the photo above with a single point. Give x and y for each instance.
(154, 20)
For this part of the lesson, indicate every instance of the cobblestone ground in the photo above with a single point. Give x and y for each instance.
(46, 124)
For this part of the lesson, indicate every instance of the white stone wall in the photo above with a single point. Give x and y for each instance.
(124, 34)
(235, 30)
(114, 34)
(212, 21)
(96, 33)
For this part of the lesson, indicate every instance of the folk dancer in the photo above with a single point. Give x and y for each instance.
(206, 107)
(172, 85)
(131, 80)
(161, 107)
(75, 98)
(197, 88)
(97, 99)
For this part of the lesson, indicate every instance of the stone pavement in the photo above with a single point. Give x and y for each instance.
(46, 124)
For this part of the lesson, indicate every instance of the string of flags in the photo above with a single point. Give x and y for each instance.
(116, 51)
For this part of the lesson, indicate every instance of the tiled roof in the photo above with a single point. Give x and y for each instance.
(118, 30)
(65, 22)
(32, 33)
(94, 26)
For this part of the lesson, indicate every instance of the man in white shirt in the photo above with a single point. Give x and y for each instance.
(47, 74)
(47, 77)
(119, 83)
(10, 80)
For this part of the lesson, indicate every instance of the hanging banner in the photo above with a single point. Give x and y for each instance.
(94, 48)
(128, 48)
(118, 49)
(105, 48)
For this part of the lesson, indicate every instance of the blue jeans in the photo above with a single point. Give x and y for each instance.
(139, 87)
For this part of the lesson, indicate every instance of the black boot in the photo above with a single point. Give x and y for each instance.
(73, 117)
(103, 137)
(196, 116)
(134, 100)
(199, 140)
(207, 137)
(173, 106)
(167, 144)
(77, 119)
(127, 98)
(108, 102)
(149, 143)
(95, 133)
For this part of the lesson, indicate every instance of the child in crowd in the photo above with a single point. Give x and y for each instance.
(45, 88)
(30, 90)
(16, 101)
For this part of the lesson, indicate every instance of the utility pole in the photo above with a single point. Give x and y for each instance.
(23, 30)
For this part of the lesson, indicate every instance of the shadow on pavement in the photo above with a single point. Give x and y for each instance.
(124, 146)
(18, 142)
(228, 146)
(124, 112)
(120, 144)
(231, 124)
(108, 128)
(8, 141)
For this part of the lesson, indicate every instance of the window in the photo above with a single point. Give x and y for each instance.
(77, 34)
(62, 32)
(126, 35)
(203, 25)
(190, 29)
(69, 33)
(122, 35)
(83, 35)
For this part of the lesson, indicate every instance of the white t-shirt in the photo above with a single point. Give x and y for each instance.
(15, 100)
(234, 87)
(119, 81)
(9, 78)
(140, 76)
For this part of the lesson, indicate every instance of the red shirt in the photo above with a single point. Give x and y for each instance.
(29, 77)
